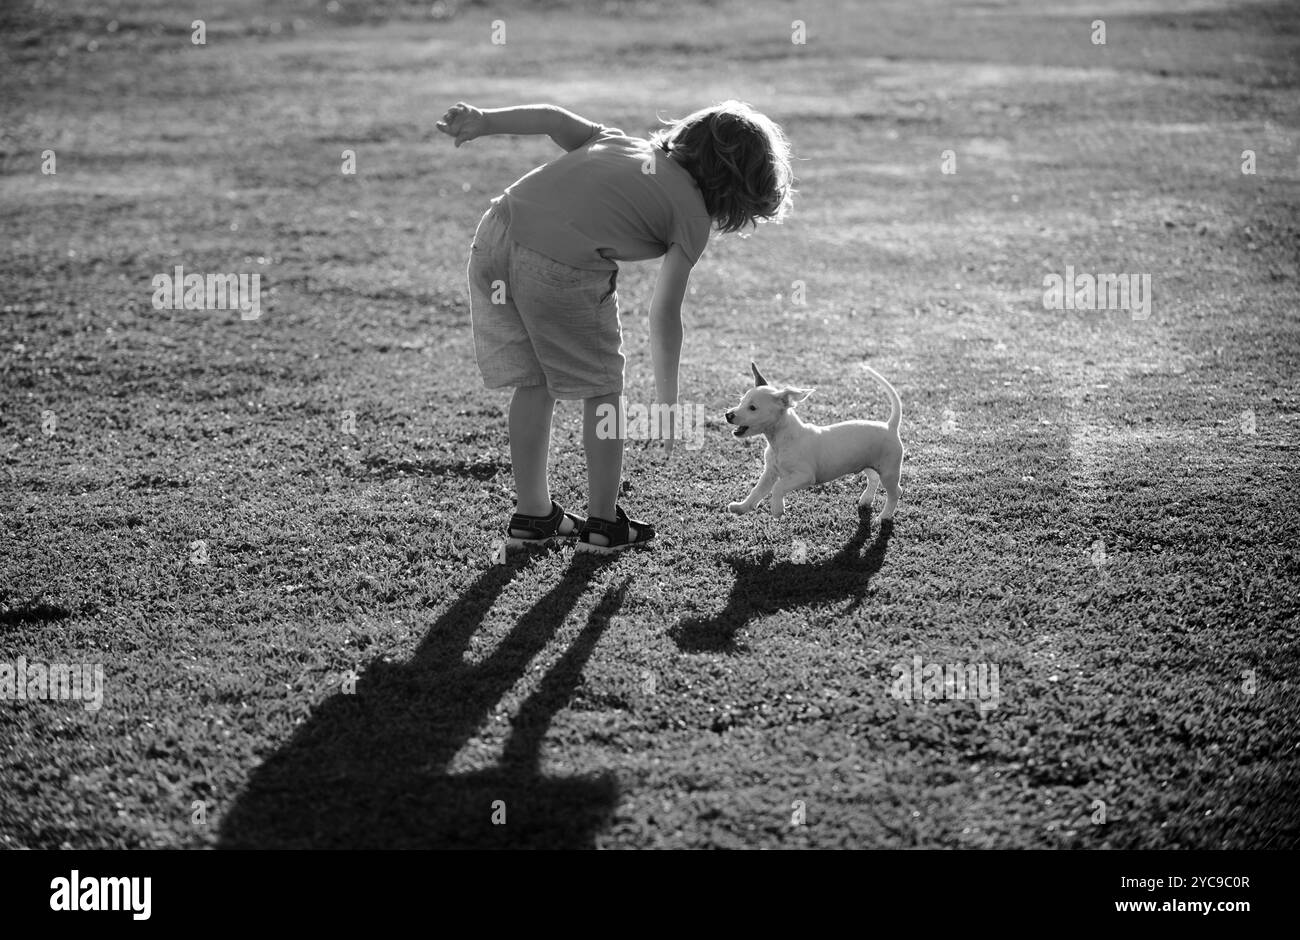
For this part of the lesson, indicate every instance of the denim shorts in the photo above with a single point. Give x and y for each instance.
(538, 321)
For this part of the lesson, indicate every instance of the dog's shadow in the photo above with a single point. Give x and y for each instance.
(374, 769)
(764, 585)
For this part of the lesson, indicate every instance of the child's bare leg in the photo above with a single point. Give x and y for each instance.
(604, 461)
(531, 410)
(604, 455)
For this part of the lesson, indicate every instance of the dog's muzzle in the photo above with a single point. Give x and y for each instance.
(731, 419)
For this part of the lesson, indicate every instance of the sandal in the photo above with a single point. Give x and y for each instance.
(542, 530)
(618, 533)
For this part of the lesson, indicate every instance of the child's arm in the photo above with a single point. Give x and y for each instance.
(666, 328)
(466, 122)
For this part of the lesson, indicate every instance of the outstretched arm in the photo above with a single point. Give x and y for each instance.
(465, 122)
(666, 326)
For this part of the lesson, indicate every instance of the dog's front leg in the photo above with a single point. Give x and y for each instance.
(761, 488)
(796, 481)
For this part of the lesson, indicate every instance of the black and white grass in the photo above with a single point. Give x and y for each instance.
(279, 535)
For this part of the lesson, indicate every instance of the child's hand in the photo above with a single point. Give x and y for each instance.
(463, 122)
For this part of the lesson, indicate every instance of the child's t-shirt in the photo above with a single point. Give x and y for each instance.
(615, 198)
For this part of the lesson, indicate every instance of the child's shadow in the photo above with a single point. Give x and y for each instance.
(373, 769)
(762, 586)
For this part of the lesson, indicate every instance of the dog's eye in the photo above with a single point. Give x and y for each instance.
(752, 408)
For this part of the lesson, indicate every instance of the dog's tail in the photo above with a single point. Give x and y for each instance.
(895, 403)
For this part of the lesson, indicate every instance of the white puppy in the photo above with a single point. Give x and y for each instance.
(800, 455)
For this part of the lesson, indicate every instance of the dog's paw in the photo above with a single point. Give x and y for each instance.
(738, 508)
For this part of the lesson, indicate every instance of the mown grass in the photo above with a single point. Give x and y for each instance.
(687, 696)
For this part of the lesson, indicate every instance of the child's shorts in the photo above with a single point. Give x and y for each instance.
(538, 321)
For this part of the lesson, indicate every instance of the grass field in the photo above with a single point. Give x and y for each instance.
(1102, 507)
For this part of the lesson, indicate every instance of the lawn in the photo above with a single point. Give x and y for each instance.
(278, 536)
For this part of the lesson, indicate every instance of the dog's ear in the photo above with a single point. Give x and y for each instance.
(759, 381)
(792, 396)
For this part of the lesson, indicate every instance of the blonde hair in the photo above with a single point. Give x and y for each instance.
(739, 157)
